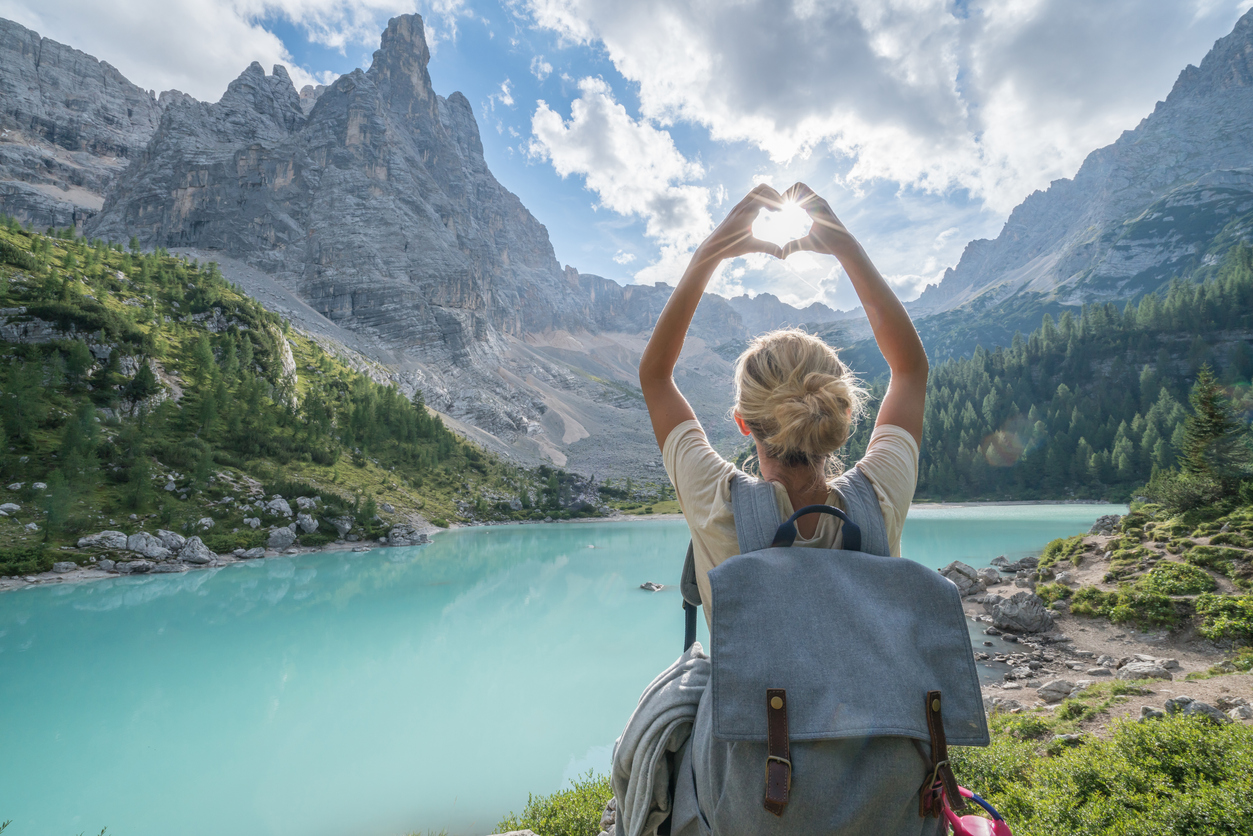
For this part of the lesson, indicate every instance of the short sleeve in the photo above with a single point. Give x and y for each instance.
(696, 471)
(891, 465)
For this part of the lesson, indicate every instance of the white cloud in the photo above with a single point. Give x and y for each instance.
(540, 68)
(633, 167)
(994, 98)
(623, 257)
(199, 47)
(504, 97)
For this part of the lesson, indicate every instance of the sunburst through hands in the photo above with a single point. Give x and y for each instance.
(788, 224)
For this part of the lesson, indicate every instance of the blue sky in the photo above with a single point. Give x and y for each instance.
(922, 121)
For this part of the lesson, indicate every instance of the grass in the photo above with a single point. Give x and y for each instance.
(571, 812)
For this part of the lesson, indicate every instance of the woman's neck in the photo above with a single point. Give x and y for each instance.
(805, 485)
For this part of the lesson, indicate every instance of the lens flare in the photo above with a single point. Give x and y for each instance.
(787, 224)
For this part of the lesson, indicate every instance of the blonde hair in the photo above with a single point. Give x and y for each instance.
(796, 396)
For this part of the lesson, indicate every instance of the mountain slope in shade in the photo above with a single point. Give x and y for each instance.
(1163, 200)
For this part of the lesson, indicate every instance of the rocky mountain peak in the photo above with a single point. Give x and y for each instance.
(1228, 64)
(399, 69)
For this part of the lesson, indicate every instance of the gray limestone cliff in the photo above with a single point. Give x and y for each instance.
(1139, 211)
(68, 125)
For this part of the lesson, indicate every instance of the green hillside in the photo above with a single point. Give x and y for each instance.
(143, 390)
(1088, 406)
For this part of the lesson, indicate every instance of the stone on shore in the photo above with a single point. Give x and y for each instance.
(195, 551)
(1022, 612)
(145, 544)
(172, 541)
(63, 567)
(253, 554)
(134, 567)
(964, 577)
(281, 538)
(103, 540)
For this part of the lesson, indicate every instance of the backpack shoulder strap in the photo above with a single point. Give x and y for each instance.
(862, 505)
(756, 511)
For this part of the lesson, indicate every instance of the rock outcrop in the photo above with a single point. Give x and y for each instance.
(1138, 211)
(68, 125)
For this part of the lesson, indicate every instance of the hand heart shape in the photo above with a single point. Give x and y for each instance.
(789, 223)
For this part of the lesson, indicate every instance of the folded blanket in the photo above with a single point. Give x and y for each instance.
(660, 724)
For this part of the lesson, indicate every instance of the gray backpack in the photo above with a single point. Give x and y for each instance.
(839, 677)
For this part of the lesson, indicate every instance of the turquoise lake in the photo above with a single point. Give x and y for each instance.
(391, 692)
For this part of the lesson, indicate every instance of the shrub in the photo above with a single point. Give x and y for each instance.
(1128, 604)
(1171, 578)
(1231, 538)
(1213, 555)
(1051, 592)
(572, 812)
(1179, 776)
(316, 539)
(1226, 617)
(440, 522)
(225, 542)
(1065, 548)
(25, 560)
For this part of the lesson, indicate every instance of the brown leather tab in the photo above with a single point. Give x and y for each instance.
(940, 769)
(778, 753)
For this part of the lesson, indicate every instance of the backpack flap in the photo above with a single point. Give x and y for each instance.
(856, 640)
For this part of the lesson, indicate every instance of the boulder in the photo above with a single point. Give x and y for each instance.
(989, 576)
(10, 508)
(134, 567)
(106, 565)
(103, 540)
(406, 535)
(1055, 690)
(306, 523)
(145, 544)
(1106, 524)
(343, 525)
(386, 508)
(1148, 712)
(278, 507)
(252, 522)
(195, 551)
(172, 541)
(964, 577)
(204, 523)
(1196, 708)
(39, 486)
(281, 538)
(63, 567)
(1099, 672)
(1023, 612)
(1241, 712)
(15, 486)
(306, 503)
(31, 527)
(253, 554)
(1143, 670)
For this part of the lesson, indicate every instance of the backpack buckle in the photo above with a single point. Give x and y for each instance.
(778, 754)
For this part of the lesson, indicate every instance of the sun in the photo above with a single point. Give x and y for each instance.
(787, 224)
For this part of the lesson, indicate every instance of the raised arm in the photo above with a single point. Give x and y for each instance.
(893, 330)
(734, 237)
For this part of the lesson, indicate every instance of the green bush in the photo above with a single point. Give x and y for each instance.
(572, 812)
(1179, 776)
(1127, 604)
(25, 560)
(316, 539)
(1171, 578)
(1231, 538)
(1226, 617)
(1213, 555)
(1064, 548)
(226, 542)
(1051, 592)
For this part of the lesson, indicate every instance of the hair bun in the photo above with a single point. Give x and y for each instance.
(796, 396)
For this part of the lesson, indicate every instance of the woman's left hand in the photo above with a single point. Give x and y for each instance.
(734, 236)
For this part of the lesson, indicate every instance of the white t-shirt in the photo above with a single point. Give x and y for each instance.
(702, 480)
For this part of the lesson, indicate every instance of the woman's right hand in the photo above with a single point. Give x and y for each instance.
(734, 236)
(828, 234)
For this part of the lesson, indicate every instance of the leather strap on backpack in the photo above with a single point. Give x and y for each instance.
(778, 753)
(929, 803)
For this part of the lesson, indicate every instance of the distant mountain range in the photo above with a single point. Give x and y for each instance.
(365, 212)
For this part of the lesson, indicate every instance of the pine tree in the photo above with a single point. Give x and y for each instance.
(1215, 443)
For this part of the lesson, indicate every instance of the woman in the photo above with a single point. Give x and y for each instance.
(794, 397)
